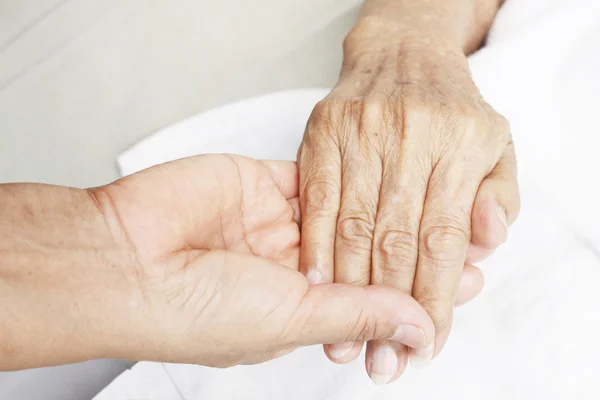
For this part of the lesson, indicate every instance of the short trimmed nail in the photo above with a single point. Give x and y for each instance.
(384, 365)
(314, 276)
(340, 350)
(501, 214)
(499, 229)
(420, 357)
(410, 335)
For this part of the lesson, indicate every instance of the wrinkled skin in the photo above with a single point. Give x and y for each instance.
(406, 174)
(216, 243)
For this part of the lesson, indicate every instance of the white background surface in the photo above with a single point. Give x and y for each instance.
(82, 80)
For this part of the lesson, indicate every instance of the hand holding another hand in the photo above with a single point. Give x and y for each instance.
(216, 240)
(193, 261)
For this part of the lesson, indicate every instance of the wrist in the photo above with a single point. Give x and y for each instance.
(64, 276)
(375, 31)
(376, 41)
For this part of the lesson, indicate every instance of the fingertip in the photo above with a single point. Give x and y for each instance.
(440, 341)
(385, 361)
(343, 353)
(470, 285)
(402, 364)
(489, 224)
(314, 276)
(415, 327)
(476, 253)
(422, 357)
(285, 175)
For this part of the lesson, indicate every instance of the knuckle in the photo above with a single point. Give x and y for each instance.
(329, 110)
(356, 230)
(320, 128)
(414, 116)
(445, 240)
(468, 122)
(397, 241)
(372, 107)
(376, 120)
(462, 118)
(322, 110)
(398, 250)
(503, 129)
(320, 196)
(420, 112)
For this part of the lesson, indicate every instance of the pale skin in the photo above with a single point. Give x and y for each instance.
(194, 261)
(407, 175)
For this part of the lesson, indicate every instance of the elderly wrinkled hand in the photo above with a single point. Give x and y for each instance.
(406, 173)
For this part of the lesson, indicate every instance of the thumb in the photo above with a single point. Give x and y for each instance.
(496, 206)
(337, 313)
(255, 306)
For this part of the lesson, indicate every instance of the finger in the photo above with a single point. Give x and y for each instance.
(444, 238)
(497, 203)
(338, 313)
(361, 178)
(319, 204)
(285, 175)
(477, 253)
(290, 258)
(385, 361)
(395, 248)
(295, 203)
(343, 353)
(470, 285)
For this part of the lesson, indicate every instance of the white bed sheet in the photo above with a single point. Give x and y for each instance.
(533, 333)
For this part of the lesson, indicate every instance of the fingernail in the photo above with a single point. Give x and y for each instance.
(420, 357)
(314, 276)
(502, 216)
(410, 335)
(384, 365)
(501, 233)
(340, 350)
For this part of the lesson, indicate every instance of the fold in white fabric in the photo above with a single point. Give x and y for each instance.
(533, 333)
